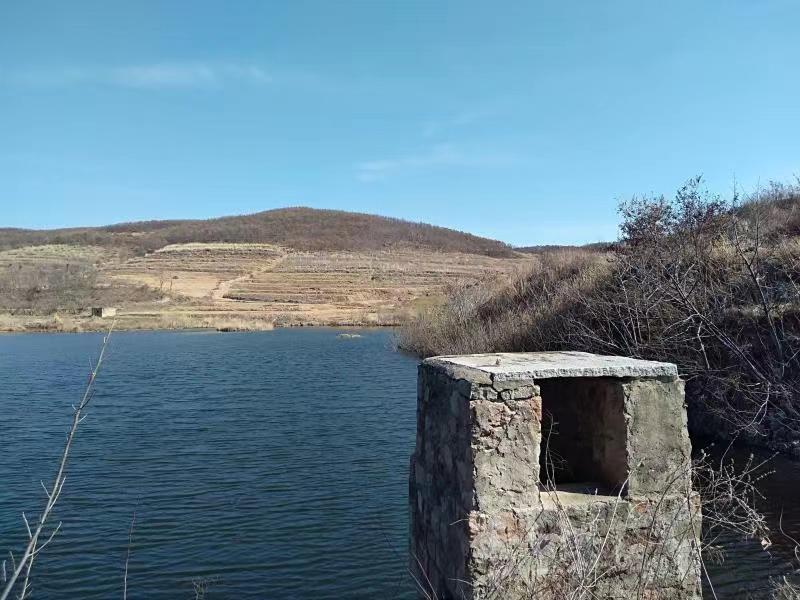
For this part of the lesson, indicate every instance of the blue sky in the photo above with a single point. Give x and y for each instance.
(522, 121)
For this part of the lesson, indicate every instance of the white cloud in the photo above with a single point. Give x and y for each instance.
(147, 76)
(459, 120)
(467, 117)
(442, 155)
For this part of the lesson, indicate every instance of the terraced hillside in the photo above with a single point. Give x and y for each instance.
(388, 277)
(249, 285)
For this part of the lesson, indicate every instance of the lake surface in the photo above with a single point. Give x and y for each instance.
(263, 465)
(748, 571)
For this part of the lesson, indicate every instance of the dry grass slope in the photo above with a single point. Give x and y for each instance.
(285, 267)
(711, 285)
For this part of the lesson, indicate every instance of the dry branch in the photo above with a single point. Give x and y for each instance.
(34, 547)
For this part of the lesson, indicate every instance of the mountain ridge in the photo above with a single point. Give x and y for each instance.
(296, 227)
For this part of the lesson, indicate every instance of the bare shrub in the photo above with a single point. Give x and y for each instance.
(501, 314)
(441, 326)
(45, 288)
(709, 284)
(785, 590)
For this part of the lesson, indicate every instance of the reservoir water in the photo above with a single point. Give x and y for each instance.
(259, 465)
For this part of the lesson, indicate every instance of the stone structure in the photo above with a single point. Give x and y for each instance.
(104, 311)
(544, 473)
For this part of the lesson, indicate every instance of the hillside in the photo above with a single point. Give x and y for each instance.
(297, 228)
(294, 266)
(708, 283)
(554, 248)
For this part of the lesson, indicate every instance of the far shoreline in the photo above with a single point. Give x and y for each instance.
(118, 328)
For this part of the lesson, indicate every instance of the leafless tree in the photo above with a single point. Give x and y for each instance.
(20, 576)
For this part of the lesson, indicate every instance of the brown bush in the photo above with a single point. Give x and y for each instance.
(705, 283)
(504, 315)
(47, 288)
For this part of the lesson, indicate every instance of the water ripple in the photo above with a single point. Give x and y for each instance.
(273, 464)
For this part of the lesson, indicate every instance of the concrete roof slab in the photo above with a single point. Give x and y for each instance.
(546, 365)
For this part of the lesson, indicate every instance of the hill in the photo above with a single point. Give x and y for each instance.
(556, 248)
(293, 266)
(299, 228)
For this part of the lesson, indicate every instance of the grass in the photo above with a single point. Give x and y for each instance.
(708, 283)
(500, 313)
(374, 276)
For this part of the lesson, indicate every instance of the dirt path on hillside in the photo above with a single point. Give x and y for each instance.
(223, 287)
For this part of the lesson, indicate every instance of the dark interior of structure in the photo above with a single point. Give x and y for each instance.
(583, 434)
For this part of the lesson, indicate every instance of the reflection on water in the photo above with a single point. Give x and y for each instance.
(747, 568)
(269, 465)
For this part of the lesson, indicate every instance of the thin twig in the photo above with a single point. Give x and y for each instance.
(33, 547)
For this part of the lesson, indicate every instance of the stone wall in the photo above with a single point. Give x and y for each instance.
(489, 519)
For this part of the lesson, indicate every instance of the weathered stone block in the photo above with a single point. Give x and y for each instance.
(658, 443)
(492, 516)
